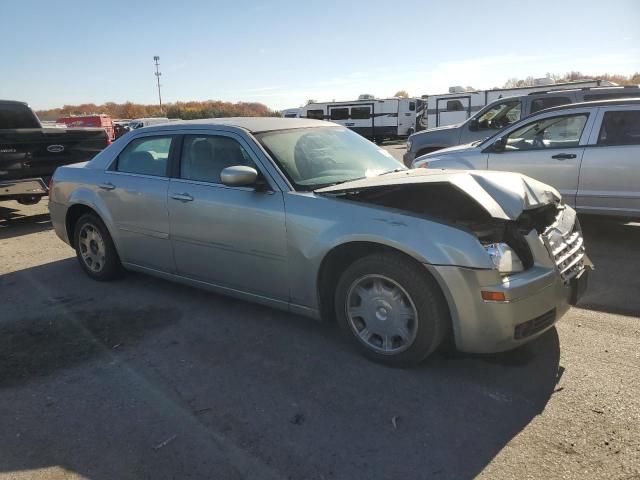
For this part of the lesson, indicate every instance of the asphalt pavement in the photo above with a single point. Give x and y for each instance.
(142, 378)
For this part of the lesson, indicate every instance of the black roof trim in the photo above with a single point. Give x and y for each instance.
(594, 103)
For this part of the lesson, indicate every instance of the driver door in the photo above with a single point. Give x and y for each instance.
(548, 149)
(232, 237)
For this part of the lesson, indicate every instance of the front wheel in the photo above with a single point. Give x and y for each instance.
(392, 309)
(95, 249)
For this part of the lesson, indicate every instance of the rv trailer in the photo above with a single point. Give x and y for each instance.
(373, 118)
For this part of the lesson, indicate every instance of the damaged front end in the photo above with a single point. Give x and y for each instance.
(510, 214)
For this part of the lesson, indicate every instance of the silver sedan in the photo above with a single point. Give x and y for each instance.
(309, 217)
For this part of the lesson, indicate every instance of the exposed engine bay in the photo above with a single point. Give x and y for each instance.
(447, 203)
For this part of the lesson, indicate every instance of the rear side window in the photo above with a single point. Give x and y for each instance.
(17, 116)
(205, 156)
(620, 128)
(360, 113)
(315, 114)
(548, 102)
(145, 156)
(339, 113)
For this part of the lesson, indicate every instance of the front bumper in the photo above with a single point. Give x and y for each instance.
(408, 158)
(535, 300)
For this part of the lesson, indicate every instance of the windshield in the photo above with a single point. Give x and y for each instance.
(312, 158)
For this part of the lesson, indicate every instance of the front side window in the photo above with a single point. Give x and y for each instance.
(620, 128)
(500, 115)
(312, 158)
(145, 156)
(548, 102)
(205, 156)
(339, 113)
(554, 132)
(360, 113)
(315, 114)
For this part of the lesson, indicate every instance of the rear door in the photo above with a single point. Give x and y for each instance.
(134, 190)
(548, 148)
(610, 174)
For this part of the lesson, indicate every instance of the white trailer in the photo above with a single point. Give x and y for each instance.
(459, 104)
(376, 119)
(290, 113)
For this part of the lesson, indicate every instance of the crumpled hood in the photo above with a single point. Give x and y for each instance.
(504, 195)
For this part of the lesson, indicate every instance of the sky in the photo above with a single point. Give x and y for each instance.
(282, 53)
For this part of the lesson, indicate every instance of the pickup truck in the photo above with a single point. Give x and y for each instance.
(29, 153)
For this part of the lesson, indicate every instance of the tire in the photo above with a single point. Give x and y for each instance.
(26, 200)
(97, 255)
(404, 314)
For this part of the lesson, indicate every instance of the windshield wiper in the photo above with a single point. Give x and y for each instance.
(333, 184)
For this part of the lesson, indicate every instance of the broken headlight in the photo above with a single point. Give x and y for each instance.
(505, 259)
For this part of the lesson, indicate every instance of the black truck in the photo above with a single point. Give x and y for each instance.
(29, 153)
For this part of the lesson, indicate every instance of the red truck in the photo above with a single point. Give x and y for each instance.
(98, 121)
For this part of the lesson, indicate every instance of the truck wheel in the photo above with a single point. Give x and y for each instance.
(95, 249)
(28, 200)
(392, 309)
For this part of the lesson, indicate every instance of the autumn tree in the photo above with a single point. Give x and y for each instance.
(401, 94)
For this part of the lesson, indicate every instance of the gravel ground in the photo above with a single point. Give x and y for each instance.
(142, 378)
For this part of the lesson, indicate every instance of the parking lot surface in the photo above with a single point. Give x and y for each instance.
(142, 378)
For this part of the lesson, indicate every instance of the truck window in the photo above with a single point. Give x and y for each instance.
(315, 114)
(620, 128)
(606, 96)
(360, 113)
(547, 102)
(16, 115)
(500, 115)
(339, 113)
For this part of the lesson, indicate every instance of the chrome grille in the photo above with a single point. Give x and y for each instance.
(567, 250)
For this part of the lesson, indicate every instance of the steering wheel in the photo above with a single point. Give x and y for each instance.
(538, 142)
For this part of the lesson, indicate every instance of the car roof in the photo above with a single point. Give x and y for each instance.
(250, 124)
(594, 103)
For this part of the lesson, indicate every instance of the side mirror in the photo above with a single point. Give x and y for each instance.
(473, 125)
(499, 145)
(239, 176)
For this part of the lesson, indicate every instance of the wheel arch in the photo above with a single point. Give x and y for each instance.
(340, 257)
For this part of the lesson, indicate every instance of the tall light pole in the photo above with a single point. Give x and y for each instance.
(156, 59)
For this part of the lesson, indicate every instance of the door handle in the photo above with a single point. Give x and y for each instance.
(183, 197)
(564, 156)
(107, 186)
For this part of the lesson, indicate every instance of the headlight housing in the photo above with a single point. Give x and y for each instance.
(505, 259)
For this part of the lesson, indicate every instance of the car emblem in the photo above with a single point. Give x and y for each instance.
(55, 148)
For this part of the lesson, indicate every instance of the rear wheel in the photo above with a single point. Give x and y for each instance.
(392, 309)
(95, 249)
